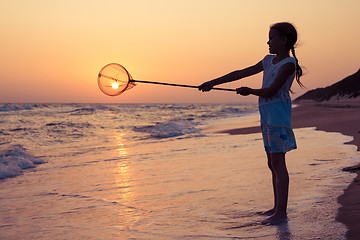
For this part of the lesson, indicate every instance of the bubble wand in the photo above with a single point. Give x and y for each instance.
(114, 79)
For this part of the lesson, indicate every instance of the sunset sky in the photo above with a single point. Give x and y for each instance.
(52, 51)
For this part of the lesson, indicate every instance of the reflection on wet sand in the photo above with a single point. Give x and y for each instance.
(283, 232)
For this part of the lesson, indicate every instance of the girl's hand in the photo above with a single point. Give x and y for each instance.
(206, 86)
(244, 91)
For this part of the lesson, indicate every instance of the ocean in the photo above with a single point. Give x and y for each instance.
(159, 171)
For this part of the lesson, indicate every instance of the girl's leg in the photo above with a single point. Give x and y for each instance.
(281, 188)
(271, 211)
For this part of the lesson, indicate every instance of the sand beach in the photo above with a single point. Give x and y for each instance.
(332, 116)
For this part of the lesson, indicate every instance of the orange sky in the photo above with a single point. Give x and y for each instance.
(52, 51)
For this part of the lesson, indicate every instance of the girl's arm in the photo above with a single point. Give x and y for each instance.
(279, 80)
(236, 75)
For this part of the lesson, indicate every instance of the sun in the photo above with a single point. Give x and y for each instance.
(115, 85)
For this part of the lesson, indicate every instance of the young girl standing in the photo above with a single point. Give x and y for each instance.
(275, 108)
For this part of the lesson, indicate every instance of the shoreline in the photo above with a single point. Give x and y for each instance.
(339, 117)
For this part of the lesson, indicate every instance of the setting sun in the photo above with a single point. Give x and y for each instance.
(115, 85)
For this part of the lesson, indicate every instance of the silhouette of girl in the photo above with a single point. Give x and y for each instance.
(279, 71)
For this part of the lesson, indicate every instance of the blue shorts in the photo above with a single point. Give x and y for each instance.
(278, 139)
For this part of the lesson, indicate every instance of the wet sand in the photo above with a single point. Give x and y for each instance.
(335, 116)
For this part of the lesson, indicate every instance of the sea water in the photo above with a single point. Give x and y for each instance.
(159, 171)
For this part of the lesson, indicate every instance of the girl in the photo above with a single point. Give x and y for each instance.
(275, 108)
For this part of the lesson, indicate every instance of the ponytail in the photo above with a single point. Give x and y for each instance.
(298, 71)
(289, 31)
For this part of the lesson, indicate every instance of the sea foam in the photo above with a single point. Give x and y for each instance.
(14, 160)
(168, 129)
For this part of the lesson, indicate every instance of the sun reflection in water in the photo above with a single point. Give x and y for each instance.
(123, 180)
(122, 172)
(121, 146)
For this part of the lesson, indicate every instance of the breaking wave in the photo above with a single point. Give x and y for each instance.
(14, 160)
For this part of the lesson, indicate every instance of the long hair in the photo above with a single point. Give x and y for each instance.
(289, 31)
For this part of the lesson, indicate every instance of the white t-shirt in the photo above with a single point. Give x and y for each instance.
(270, 72)
(276, 110)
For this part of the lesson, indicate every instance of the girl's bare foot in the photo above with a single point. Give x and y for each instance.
(276, 219)
(269, 212)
